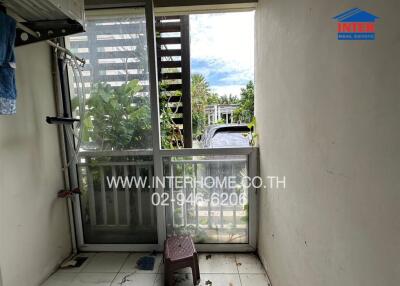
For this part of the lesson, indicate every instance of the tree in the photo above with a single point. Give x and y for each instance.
(171, 135)
(200, 92)
(245, 112)
(117, 118)
(231, 99)
(213, 98)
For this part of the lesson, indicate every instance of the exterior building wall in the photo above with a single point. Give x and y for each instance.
(328, 115)
(34, 227)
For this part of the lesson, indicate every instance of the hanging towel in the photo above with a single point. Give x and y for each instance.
(8, 91)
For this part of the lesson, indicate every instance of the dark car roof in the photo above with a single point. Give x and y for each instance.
(227, 135)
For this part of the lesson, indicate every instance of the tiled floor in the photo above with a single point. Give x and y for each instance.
(116, 269)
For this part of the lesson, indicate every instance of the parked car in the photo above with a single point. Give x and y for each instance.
(227, 135)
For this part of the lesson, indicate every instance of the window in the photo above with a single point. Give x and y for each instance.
(219, 48)
(116, 117)
(221, 92)
(115, 83)
(205, 72)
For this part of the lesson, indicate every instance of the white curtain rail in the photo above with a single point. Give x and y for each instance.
(51, 43)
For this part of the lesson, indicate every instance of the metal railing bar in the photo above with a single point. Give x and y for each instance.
(220, 191)
(253, 170)
(139, 197)
(172, 196)
(130, 163)
(210, 151)
(116, 153)
(184, 206)
(209, 161)
(115, 193)
(209, 199)
(103, 196)
(170, 153)
(92, 206)
(151, 192)
(195, 195)
(234, 206)
(127, 198)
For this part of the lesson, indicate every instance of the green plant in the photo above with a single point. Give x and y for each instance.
(203, 221)
(245, 218)
(253, 133)
(245, 112)
(117, 118)
(198, 234)
(200, 92)
(231, 99)
(171, 135)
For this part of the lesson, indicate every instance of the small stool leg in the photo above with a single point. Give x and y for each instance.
(196, 261)
(171, 279)
(168, 275)
(194, 273)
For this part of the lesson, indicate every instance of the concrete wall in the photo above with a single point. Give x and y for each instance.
(34, 228)
(328, 116)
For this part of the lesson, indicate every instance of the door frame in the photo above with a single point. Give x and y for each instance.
(158, 155)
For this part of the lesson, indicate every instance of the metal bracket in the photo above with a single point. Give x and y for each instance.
(61, 120)
(47, 30)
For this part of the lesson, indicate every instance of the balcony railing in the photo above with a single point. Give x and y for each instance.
(118, 193)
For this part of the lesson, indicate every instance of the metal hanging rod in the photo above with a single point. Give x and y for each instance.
(51, 43)
(34, 34)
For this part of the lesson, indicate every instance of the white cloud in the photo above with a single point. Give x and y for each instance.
(226, 41)
(204, 70)
(227, 89)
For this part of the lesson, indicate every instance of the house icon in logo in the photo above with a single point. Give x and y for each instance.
(356, 24)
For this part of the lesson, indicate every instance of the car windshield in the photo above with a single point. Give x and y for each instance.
(229, 139)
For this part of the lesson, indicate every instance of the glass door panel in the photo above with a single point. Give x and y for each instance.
(111, 96)
(207, 198)
(115, 209)
(115, 81)
(113, 87)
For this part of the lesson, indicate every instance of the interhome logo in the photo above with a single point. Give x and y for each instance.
(356, 24)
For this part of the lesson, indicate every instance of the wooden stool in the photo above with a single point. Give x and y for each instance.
(179, 252)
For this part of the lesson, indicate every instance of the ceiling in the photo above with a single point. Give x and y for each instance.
(160, 3)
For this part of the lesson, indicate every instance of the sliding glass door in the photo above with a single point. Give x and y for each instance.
(116, 139)
(126, 201)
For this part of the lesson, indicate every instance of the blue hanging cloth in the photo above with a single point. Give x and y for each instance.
(8, 91)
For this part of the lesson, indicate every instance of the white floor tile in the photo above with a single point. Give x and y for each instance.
(106, 262)
(135, 279)
(182, 270)
(249, 263)
(130, 263)
(90, 256)
(221, 269)
(182, 279)
(221, 279)
(218, 263)
(80, 279)
(254, 280)
(91, 279)
(60, 279)
(159, 280)
(185, 270)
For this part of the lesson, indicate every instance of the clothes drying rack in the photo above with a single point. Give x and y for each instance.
(45, 31)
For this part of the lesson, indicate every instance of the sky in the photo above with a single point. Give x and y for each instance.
(222, 49)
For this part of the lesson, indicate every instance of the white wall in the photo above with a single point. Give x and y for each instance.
(34, 226)
(328, 116)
